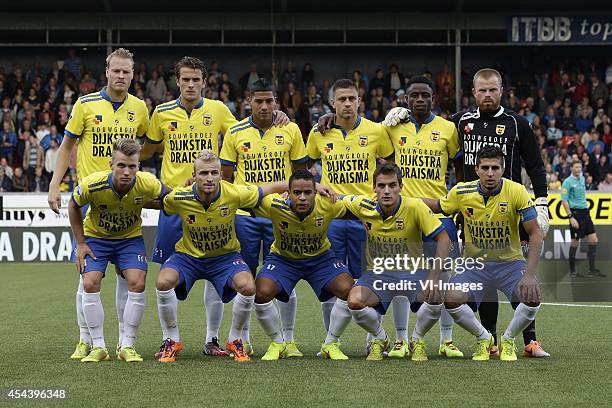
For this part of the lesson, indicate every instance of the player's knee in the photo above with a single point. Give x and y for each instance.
(165, 280)
(264, 292)
(244, 284)
(355, 300)
(453, 299)
(90, 284)
(137, 286)
(248, 289)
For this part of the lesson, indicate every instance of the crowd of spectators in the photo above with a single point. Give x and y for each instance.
(569, 108)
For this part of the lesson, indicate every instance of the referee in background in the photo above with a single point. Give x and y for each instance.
(489, 123)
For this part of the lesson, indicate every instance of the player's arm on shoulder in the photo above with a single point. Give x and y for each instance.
(228, 156)
(153, 139)
(168, 203)
(63, 160)
(447, 205)
(385, 149)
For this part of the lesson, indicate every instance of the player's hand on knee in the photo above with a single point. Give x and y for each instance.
(529, 289)
(82, 251)
(396, 116)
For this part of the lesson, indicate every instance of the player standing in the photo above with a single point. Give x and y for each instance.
(493, 207)
(263, 153)
(96, 121)
(581, 225)
(111, 232)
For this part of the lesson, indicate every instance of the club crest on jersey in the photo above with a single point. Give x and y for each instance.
(318, 221)
(469, 212)
(469, 127)
(207, 119)
(131, 116)
(435, 135)
(399, 223)
(403, 140)
(246, 146)
(279, 139)
(173, 126)
(363, 141)
(329, 147)
(283, 225)
(190, 219)
(500, 129)
(98, 119)
(503, 207)
(225, 211)
(138, 200)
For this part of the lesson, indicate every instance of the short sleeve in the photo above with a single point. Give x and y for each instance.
(449, 204)
(312, 150)
(385, 147)
(143, 122)
(229, 155)
(338, 209)
(430, 225)
(298, 150)
(153, 187)
(169, 204)
(565, 187)
(351, 203)
(154, 133)
(227, 119)
(76, 123)
(453, 147)
(248, 196)
(263, 209)
(80, 195)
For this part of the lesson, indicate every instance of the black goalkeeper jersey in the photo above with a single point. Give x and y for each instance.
(507, 130)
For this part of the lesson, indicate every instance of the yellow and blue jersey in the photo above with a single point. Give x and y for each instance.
(491, 223)
(296, 237)
(400, 233)
(96, 121)
(185, 135)
(422, 153)
(348, 159)
(209, 231)
(110, 216)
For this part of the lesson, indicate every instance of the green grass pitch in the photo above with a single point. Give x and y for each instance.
(39, 333)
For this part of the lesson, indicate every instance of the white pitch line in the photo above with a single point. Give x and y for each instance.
(573, 305)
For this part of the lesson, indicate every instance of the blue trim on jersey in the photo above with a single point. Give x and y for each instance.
(261, 131)
(261, 196)
(110, 184)
(397, 207)
(494, 193)
(92, 100)
(528, 214)
(238, 129)
(74, 201)
(116, 105)
(344, 132)
(302, 160)
(153, 141)
(195, 194)
(458, 155)
(169, 107)
(441, 210)
(198, 106)
(435, 233)
(428, 120)
(227, 162)
(71, 135)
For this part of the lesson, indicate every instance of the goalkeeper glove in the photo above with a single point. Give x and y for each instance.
(542, 210)
(396, 116)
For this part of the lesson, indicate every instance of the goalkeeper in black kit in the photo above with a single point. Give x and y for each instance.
(489, 123)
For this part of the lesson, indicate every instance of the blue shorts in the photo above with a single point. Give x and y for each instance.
(378, 283)
(251, 231)
(318, 272)
(73, 253)
(348, 239)
(218, 270)
(169, 232)
(503, 276)
(451, 229)
(129, 253)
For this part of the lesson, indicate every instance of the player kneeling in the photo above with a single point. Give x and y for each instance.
(301, 250)
(492, 208)
(208, 250)
(395, 226)
(111, 232)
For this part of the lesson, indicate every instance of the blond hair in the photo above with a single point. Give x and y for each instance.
(487, 73)
(129, 147)
(120, 53)
(207, 156)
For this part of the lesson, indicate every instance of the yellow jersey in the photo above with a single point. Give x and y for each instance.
(96, 121)
(110, 216)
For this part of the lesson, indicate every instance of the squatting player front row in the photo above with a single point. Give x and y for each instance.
(222, 202)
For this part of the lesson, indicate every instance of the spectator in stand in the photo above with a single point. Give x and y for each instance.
(607, 135)
(563, 169)
(594, 142)
(601, 168)
(88, 84)
(51, 156)
(73, 63)
(317, 110)
(141, 76)
(584, 106)
(156, 87)
(605, 186)
(6, 184)
(584, 123)
(8, 142)
(359, 80)
(567, 123)
(553, 133)
(8, 170)
(589, 183)
(581, 89)
(394, 80)
(291, 102)
(554, 185)
(247, 79)
(379, 101)
(587, 165)
(540, 104)
(308, 76)
(39, 183)
(445, 77)
(598, 89)
(378, 80)
(66, 184)
(20, 181)
(33, 157)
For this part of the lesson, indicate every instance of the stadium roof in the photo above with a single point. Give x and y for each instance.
(315, 6)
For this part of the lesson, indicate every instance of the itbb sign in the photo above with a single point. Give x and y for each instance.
(560, 29)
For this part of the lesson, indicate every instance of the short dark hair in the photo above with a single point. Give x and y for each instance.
(302, 174)
(261, 85)
(344, 84)
(190, 62)
(388, 168)
(576, 162)
(420, 79)
(490, 152)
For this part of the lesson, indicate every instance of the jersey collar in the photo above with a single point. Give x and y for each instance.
(397, 207)
(198, 106)
(110, 184)
(428, 120)
(495, 115)
(496, 192)
(261, 131)
(195, 194)
(116, 105)
(288, 202)
(344, 132)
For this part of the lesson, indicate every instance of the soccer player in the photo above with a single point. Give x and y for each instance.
(111, 232)
(395, 226)
(489, 123)
(424, 144)
(493, 207)
(208, 249)
(263, 153)
(301, 250)
(574, 201)
(348, 153)
(96, 121)
(182, 129)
